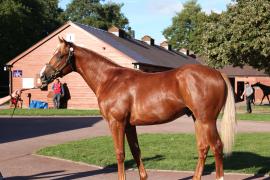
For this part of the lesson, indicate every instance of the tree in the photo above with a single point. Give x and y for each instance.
(24, 22)
(93, 13)
(185, 31)
(241, 36)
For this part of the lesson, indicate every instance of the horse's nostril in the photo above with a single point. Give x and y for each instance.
(43, 77)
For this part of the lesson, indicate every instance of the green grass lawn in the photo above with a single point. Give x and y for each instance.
(255, 109)
(49, 112)
(170, 152)
(260, 113)
(253, 117)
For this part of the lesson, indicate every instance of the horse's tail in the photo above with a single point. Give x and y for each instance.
(228, 123)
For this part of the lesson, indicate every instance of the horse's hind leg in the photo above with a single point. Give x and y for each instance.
(118, 134)
(216, 147)
(202, 147)
(268, 99)
(135, 149)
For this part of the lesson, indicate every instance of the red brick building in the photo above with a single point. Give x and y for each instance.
(116, 45)
(238, 76)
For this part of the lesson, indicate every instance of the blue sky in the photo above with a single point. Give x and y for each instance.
(151, 17)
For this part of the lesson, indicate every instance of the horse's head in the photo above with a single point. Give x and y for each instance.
(256, 84)
(60, 64)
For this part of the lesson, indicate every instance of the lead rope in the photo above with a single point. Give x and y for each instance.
(17, 99)
(16, 103)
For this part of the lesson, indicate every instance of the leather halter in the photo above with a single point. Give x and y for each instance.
(59, 72)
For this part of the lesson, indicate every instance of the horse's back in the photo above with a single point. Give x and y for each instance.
(153, 98)
(162, 97)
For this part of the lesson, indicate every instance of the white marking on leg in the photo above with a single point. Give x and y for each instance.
(42, 71)
(221, 178)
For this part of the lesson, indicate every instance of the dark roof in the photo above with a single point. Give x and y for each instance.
(244, 71)
(140, 51)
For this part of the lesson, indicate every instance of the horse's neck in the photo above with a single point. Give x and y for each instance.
(93, 68)
(265, 88)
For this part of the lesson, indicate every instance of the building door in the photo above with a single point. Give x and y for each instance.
(240, 90)
(4, 88)
(232, 81)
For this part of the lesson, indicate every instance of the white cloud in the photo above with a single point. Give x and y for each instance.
(122, 1)
(216, 6)
(168, 7)
(209, 10)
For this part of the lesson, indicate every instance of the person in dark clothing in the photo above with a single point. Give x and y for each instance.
(248, 92)
(65, 97)
(58, 91)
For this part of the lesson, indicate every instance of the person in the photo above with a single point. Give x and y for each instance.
(15, 94)
(58, 91)
(248, 92)
(65, 97)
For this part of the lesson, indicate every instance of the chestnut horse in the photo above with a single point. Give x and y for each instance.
(128, 98)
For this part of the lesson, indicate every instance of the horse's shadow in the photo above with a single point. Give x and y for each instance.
(62, 175)
(237, 161)
(244, 160)
(131, 163)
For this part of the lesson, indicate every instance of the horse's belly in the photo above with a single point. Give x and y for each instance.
(150, 118)
(141, 122)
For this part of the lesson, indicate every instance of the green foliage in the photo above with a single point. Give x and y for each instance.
(24, 22)
(238, 36)
(93, 13)
(186, 27)
(241, 36)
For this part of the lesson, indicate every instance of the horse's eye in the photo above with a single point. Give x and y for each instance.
(59, 57)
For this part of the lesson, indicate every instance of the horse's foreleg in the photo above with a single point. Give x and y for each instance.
(202, 147)
(135, 149)
(217, 148)
(118, 132)
(268, 99)
(262, 99)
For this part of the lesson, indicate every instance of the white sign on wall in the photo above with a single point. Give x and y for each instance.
(70, 37)
(28, 83)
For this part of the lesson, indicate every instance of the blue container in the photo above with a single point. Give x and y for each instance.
(34, 104)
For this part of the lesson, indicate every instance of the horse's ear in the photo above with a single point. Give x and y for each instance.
(64, 41)
(60, 39)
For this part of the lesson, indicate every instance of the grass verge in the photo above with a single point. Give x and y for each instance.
(260, 113)
(253, 117)
(255, 109)
(49, 112)
(170, 152)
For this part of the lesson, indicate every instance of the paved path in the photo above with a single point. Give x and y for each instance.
(20, 137)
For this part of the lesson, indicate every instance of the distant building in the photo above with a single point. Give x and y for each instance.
(114, 44)
(238, 76)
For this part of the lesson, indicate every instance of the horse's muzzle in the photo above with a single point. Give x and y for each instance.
(44, 82)
(43, 86)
